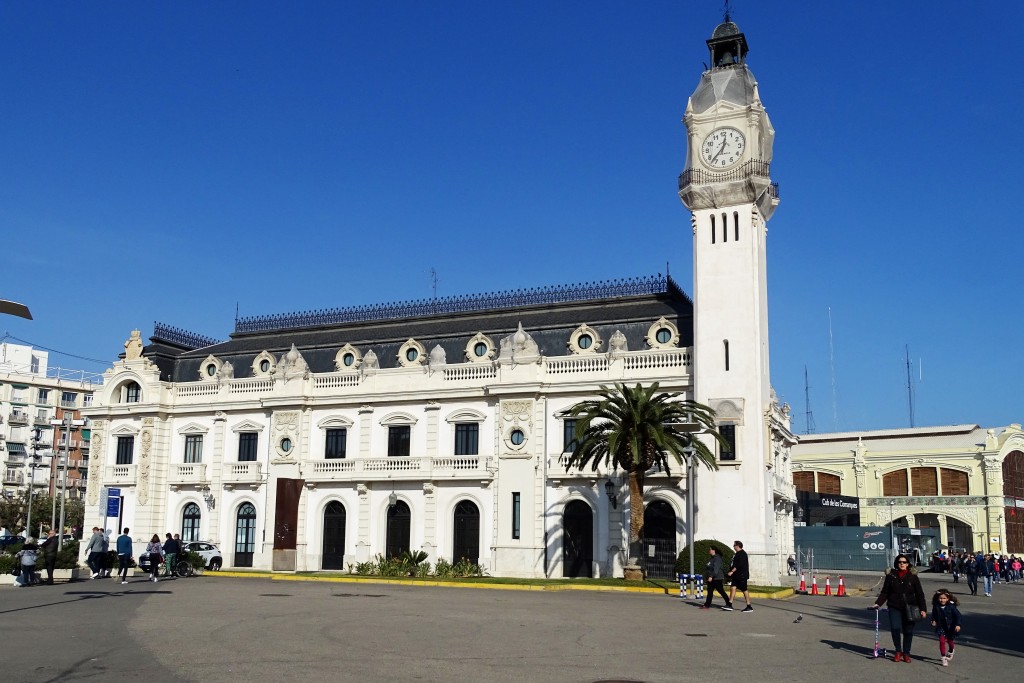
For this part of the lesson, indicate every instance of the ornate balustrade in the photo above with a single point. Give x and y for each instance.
(120, 475)
(241, 474)
(574, 364)
(187, 474)
(403, 468)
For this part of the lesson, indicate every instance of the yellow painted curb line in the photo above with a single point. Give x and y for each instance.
(781, 595)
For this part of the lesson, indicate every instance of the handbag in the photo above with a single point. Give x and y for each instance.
(912, 613)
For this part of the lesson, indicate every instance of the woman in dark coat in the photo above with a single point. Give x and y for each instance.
(903, 594)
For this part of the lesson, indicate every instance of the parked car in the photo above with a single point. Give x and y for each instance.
(8, 541)
(209, 552)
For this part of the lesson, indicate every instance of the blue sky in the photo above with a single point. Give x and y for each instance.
(165, 161)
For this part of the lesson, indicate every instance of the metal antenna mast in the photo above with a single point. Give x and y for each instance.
(433, 281)
(832, 362)
(910, 385)
(808, 414)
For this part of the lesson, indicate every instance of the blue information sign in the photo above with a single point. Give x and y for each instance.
(113, 502)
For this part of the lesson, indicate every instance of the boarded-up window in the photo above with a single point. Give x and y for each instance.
(954, 482)
(828, 483)
(804, 481)
(924, 481)
(895, 483)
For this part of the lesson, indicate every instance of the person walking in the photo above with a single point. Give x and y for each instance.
(904, 596)
(971, 570)
(26, 559)
(739, 572)
(988, 569)
(106, 566)
(171, 550)
(49, 548)
(946, 619)
(95, 549)
(124, 555)
(715, 579)
(155, 551)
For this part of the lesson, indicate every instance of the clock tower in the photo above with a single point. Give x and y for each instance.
(727, 187)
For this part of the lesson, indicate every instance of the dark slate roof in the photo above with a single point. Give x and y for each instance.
(725, 29)
(549, 323)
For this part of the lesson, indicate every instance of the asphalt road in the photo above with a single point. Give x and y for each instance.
(256, 629)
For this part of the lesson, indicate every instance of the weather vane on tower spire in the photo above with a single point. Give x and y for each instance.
(726, 11)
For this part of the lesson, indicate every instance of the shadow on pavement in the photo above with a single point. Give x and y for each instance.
(88, 595)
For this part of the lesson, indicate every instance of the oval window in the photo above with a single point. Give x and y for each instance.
(348, 359)
(265, 366)
(211, 370)
(585, 341)
(663, 335)
(517, 437)
(286, 445)
(411, 355)
(480, 349)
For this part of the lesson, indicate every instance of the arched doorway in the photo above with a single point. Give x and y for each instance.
(659, 544)
(334, 536)
(245, 535)
(959, 536)
(577, 540)
(399, 522)
(466, 541)
(190, 518)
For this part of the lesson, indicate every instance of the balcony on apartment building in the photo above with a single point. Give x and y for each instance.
(18, 418)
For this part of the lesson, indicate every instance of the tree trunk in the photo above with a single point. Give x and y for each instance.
(633, 571)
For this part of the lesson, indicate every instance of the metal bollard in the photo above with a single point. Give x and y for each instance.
(700, 587)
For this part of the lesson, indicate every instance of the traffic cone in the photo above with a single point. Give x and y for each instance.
(803, 584)
(814, 585)
(841, 592)
(828, 585)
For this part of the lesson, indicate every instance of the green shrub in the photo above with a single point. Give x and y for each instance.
(67, 557)
(194, 559)
(6, 563)
(701, 553)
(464, 568)
(444, 569)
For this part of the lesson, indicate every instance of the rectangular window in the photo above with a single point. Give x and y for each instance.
(88, 400)
(125, 450)
(337, 441)
(516, 509)
(44, 396)
(568, 436)
(398, 441)
(467, 439)
(133, 392)
(68, 399)
(247, 443)
(726, 344)
(728, 451)
(924, 481)
(194, 448)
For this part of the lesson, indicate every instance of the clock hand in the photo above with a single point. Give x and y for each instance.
(720, 150)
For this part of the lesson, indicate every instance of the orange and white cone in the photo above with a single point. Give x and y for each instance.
(841, 592)
(803, 584)
(828, 585)
(814, 585)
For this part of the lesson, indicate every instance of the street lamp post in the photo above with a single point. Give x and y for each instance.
(31, 467)
(68, 422)
(892, 530)
(689, 451)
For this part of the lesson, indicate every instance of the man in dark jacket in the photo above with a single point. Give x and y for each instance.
(715, 579)
(171, 550)
(94, 550)
(971, 572)
(739, 572)
(49, 548)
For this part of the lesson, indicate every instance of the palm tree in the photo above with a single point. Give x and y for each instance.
(638, 429)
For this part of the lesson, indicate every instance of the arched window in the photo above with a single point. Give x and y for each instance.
(245, 535)
(399, 522)
(1013, 488)
(736, 225)
(713, 228)
(924, 481)
(725, 344)
(659, 557)
(895, 483)
(190, 518)
(725, 227)
(334, 536)
(954, 482)
(466, 539)
(804, 481)
(829, 483)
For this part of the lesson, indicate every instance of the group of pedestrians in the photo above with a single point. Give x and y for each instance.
(27, 560)
(903, 594)
(1008, 568)
(739, 574)
(160, 554)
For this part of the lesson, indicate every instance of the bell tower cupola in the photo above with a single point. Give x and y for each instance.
(727, 44)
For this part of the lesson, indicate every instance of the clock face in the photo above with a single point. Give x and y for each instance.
(722, 148)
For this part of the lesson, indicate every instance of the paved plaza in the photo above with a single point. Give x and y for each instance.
(214, 628)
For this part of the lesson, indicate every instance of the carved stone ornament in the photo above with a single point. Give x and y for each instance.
(412, 354)
(519, 347)
(209, 369)
(474, 349)
(292, 364)
(438, 359)
(264, 364)
(286, 426)
(227, 370)
(617, 343)
(370, 364)
(144, 465)
(133, 347)
(584, 340)
(93, 486)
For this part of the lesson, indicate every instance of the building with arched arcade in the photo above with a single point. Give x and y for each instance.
(963, 481)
